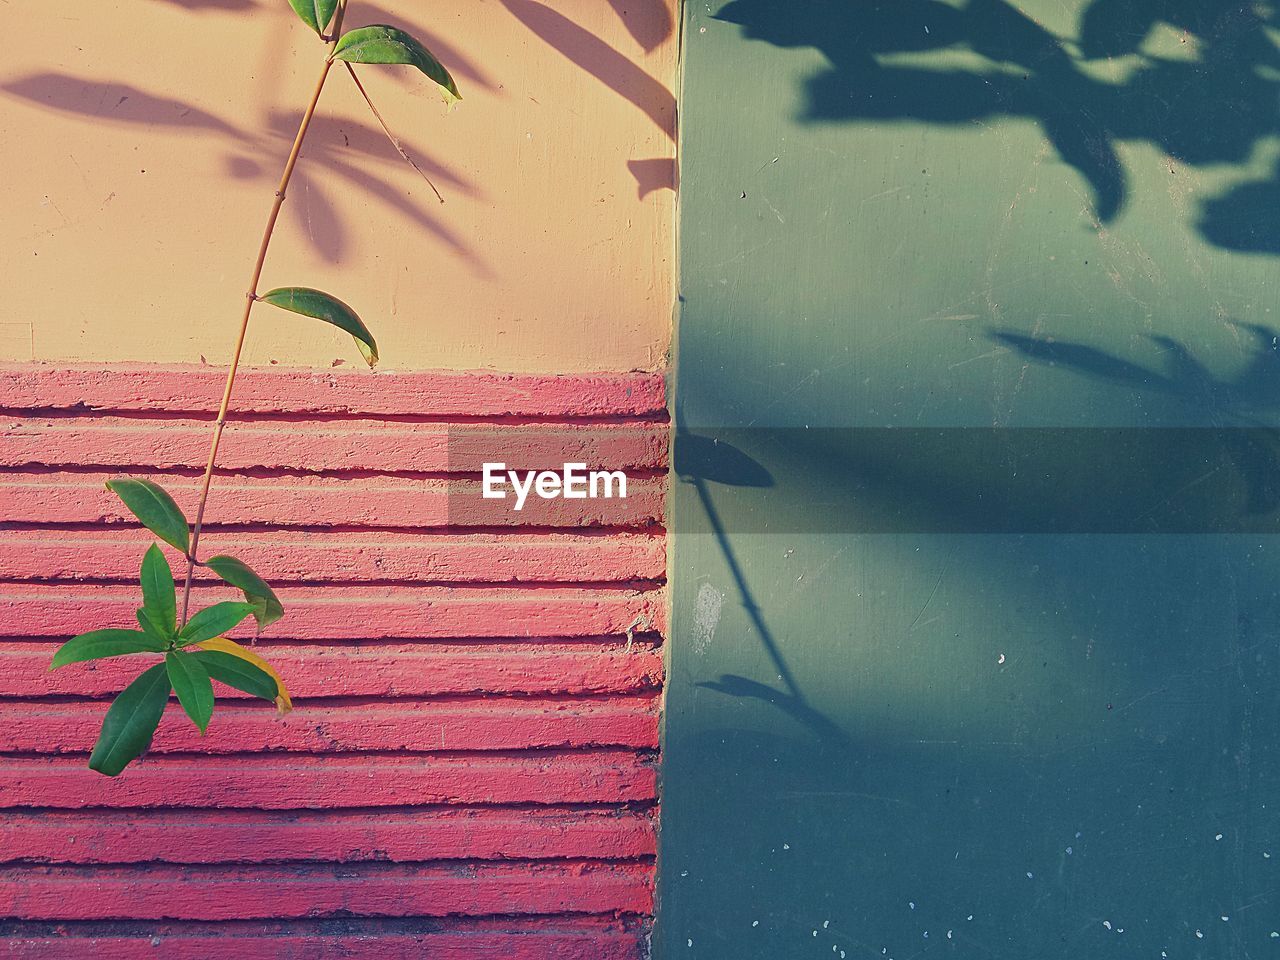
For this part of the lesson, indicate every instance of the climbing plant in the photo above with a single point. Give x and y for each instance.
(193, 649)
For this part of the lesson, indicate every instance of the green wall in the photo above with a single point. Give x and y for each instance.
(891, 711)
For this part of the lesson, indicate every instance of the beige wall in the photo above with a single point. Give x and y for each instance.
(142, 140)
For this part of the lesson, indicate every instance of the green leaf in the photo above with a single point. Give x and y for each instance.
(383, 44)
(238, 673)
(104, 643)
(318, 304)
(144, 621)
(267, 608)
(316, 14)
(159, 597)
(131, 722)
(191, 684)
(221, 644)
(214, 621)
(155, 508)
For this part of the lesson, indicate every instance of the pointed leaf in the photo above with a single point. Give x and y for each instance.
(191, 684)
(214, 621)
(104, 643)
(236, 672)
(267, 606)
(149, 628)
(131, 722)
(316, 14)
(383, 44)
(283, 702)
(322, 306)
(155, 508)
(159, 596)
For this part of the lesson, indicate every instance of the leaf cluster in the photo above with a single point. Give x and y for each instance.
(193, 654)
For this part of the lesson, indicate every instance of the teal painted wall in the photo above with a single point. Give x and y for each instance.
(1055, 737)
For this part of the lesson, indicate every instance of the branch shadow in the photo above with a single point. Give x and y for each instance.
(649, 22)
(350, 150)
(700, 461)
(597, 58)
(200, 6)
(1210, 103)
(1254, 390)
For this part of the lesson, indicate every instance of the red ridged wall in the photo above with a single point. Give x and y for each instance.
(470, 770)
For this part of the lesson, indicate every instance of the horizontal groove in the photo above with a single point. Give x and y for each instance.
(400, 612)
(604, 809)
(630, 585)
(111, 554)
(480, 702)
(438, 530)
(655, 418)
(519, 924)
(609, 642)
(346, 870)
(582, 755)
(195, 388)
(89, 468)
(366, 889)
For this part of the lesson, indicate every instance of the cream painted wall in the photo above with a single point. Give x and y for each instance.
(142, 139)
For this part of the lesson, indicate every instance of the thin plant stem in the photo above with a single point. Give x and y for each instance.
(251, 297)
(395, 141)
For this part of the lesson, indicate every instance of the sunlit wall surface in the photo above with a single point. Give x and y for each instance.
(143, 144)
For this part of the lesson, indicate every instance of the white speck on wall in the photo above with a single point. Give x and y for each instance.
(1218, 837)
(825, 924)
(1199, 935)
(1107, 924)
(706, 616)
(690, 941)
(1001, 660)
(1069, 851)
(755, 923)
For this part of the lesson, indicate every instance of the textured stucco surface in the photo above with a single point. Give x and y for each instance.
(142, 144)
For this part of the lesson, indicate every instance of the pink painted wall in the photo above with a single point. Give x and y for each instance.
(470, 770)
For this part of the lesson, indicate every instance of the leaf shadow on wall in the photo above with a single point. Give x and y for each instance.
(355, 152)
(650, 23)
(215, 5)
(1205, 94)
(1242, 399)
